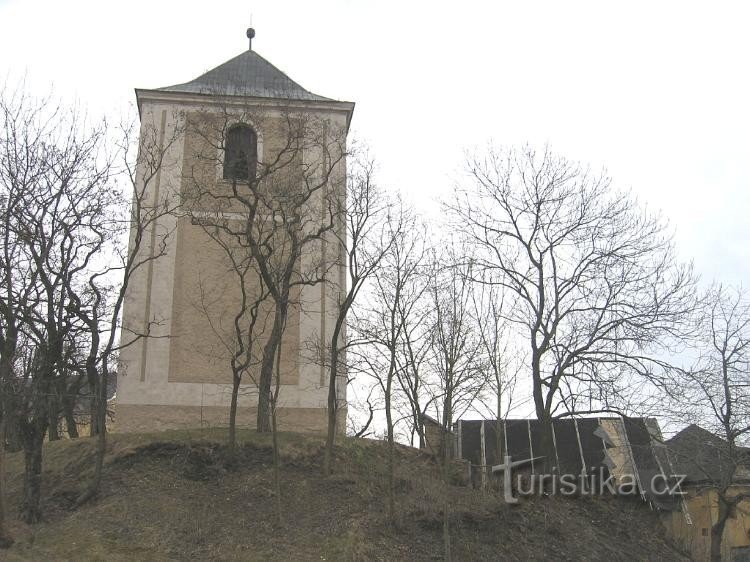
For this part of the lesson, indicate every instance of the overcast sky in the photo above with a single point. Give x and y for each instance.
(658, 92)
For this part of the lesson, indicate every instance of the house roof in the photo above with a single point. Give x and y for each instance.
(575, 443)
(580, 444)
(704, 456)
(430, 419)
(247, 74)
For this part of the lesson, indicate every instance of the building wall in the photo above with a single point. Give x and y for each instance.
(205, 302)
(180, 376)
(432, 437)
(148, 418)
(702, 506)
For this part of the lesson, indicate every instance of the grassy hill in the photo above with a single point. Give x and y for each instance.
(172, 496)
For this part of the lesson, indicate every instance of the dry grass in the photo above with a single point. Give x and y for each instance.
(175, 496)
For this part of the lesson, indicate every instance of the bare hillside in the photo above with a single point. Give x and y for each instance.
(173, 496)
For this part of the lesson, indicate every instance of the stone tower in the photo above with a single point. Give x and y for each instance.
(231, 122)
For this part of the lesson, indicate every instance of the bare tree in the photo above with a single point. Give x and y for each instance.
(455, 352)
(67, 217)
(715, 393)
(16, 285)
(286, 205)
(591, 279)
(239, 341)
(499, 357)
(362, 244)
(413, 354)
(381, 323)
(138, 210)
(455, 342)
(359, 407)
(56, 179)
(73, 390)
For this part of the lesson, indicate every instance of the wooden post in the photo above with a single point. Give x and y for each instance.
(531, 446)
(458, 441)
(483, 459)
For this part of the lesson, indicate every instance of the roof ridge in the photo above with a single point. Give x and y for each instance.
(693, 429)
(277, 69)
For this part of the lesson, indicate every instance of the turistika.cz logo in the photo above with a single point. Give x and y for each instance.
(597, 483)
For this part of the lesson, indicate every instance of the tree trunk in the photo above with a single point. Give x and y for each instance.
(332, 406)
(13, 440)
(544, 417)
(266, 370)
(94, 414)
(445, 448)
(391, 447)
(446, 527)
(264, 413)
(5, 539)
(275, 440)
(420, 433)
(499, 441)
(96, 382)
(276, 467)
(31, 509)
(101, 443)
(233, 416)
(547, 445)
(68, 402)
(101, 449)
(53, 431)
(717, 531)
(71, 426)
(418, 426)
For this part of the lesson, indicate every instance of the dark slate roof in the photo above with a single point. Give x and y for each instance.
(575, 442)
(247, 74)
(704, 457)
(578, 443)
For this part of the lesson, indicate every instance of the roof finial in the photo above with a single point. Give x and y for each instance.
(250, 35)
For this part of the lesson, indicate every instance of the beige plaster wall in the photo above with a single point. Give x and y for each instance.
(147, 418)
(165, 379)
(205, 303)
(702, 505)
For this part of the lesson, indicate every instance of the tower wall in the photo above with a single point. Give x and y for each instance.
(180, 377)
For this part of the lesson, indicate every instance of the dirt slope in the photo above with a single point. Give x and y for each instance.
(174, 496)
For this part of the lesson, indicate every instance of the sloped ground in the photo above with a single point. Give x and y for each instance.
(174, 496)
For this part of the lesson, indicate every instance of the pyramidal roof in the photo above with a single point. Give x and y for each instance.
(247, 74)
(702, 455)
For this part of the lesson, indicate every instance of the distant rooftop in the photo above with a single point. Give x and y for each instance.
(704, 456)
(247, 74)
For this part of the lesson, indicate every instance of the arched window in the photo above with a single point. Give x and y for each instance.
(240, 153)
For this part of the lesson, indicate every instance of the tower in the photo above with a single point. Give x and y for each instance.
(243, 125)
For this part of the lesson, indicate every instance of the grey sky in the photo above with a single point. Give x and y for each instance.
(659, 92)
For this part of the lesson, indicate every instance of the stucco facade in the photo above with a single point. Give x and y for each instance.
(693, 533)
(180, 375)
